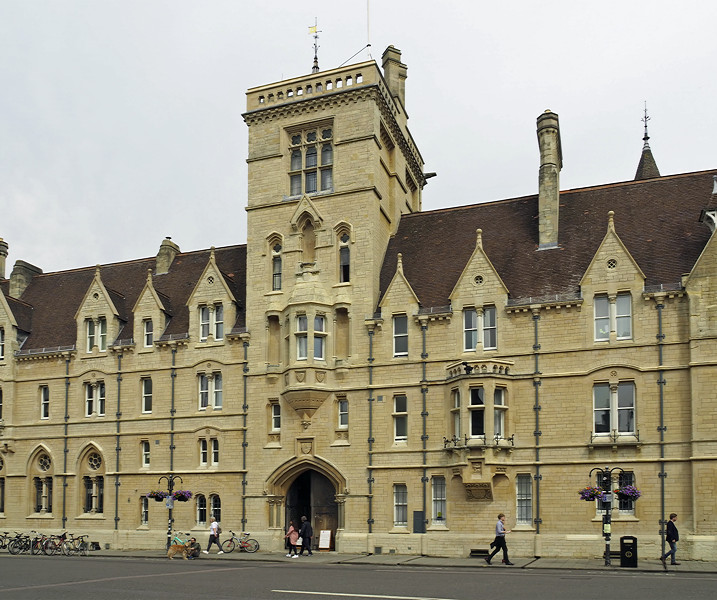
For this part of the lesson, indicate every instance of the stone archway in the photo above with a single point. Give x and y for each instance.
(312, 488)
(312, 495)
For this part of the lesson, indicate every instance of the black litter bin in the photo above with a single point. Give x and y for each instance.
(628, 551)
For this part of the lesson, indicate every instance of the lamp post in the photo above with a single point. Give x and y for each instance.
(170, 503)
(604, 477)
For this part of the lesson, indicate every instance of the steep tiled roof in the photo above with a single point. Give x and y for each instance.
(56, 297)
(647, 167)
(657, 220)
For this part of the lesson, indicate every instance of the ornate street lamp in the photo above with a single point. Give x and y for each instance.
(170, 503)
(604, 477)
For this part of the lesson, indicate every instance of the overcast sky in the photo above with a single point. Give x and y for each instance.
(120, 120)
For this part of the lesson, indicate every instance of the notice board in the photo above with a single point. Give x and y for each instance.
(325, 539)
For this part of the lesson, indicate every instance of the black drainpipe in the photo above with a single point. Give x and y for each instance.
(370, 479)
(65, 449)
(244, 444)
(537, 433)
(172, 410)
(118, 448)
(424, 417)
(662, 427)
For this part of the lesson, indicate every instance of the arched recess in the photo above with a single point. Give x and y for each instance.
(311, 487)
(91, 467)
(40, 469)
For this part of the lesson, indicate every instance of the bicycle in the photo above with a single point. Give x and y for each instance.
(19, 544)
(178, 540)
(75, 545)
(4, 539)
(245, 543)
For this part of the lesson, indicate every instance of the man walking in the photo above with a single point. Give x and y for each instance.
(305, 533)
(671, 537)
(499, 541)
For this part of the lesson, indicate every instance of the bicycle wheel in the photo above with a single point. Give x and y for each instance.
(68, 548)
(51, 547)
(36, 546)
(13, 547)
(251, 545)
(84, 548)
(229, 545)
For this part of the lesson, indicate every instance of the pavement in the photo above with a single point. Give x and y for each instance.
(403, 560)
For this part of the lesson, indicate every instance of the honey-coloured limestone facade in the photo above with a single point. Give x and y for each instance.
(399, 377)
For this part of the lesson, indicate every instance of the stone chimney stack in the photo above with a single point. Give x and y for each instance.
(395, 73)
(21, 276)
(167, 251)
(3, 256)
(551, 161)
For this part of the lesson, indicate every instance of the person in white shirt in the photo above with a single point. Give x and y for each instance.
(213, 537)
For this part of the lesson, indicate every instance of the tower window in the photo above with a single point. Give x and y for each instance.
(308, 174)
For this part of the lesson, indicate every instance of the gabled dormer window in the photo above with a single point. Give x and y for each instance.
(211, 321)
(148, 332)
(96, 334)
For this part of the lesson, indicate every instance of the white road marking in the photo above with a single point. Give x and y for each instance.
(359, 595)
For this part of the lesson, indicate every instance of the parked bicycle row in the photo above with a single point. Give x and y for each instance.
(40, 543)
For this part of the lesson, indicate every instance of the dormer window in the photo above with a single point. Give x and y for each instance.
(148, 332)
(96, 334)
(211, 321)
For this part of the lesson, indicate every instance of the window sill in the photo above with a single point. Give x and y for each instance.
(143, 528)
(91, 517)
(340, 443)
(524, 528)
(40, 516)
(272, 445)
(437, 527)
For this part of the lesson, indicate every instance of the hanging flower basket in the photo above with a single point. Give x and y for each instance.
(628, 492)
(590, 493)
(182, 495)
(158, 495)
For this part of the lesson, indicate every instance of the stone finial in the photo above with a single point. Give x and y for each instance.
(399, 263)
(479, 238)
(611, 220)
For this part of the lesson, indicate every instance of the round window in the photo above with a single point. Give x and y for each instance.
(94, 460)
(44, 462)
(612, 263)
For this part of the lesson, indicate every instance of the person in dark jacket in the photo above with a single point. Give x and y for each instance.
(305, 533)
(671, 537)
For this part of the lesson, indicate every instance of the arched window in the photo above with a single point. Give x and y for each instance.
(215, 504)
(344, 259)
(201, 509)
(276, 267)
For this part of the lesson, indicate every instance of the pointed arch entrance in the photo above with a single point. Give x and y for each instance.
(313, 489)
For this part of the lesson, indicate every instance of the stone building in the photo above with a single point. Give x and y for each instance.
(398, 376)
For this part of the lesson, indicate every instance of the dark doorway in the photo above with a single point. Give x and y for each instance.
(312, 495)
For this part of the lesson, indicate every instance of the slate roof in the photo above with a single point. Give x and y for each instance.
(54, 298)
(647, 167)
(657, 220)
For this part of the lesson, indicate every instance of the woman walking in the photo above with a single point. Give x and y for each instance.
(292, 535)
